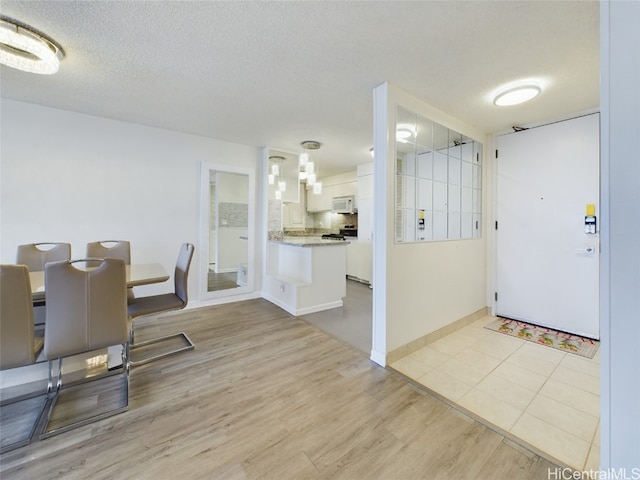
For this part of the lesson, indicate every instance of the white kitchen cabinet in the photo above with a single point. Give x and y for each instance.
(294, 214)
(347, 189)
(322, 202)
(359, 260)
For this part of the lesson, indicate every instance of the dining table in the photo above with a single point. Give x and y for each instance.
(137, 274)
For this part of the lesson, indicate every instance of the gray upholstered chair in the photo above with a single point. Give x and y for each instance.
(154, 304)
(86, 311)
(36, 255)
(18, 348)
(110, 249)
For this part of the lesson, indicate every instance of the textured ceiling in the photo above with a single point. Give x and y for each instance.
(277, 73)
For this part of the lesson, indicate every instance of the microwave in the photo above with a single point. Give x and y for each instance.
(343, 204)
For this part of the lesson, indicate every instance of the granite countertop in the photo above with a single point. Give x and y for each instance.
(310, 242)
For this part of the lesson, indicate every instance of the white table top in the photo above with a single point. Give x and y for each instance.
(137, 274)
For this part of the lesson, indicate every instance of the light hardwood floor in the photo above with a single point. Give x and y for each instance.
(266, 395)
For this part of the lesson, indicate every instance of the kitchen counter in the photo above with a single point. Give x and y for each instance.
(310, 242)
(309, 279)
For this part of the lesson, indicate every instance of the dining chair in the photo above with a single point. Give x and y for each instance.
(143, 306)
(86, 311)
(110, 249)
(18, 348)
(36, 255)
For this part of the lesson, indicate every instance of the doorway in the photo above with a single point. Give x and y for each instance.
(547, 263)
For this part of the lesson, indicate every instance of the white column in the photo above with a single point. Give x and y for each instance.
(620, 233)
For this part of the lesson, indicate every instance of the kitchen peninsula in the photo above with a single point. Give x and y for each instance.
(306, 274)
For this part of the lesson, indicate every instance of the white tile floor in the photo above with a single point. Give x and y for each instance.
(546, 397)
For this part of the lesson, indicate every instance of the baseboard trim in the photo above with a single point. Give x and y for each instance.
(378, 357)
(425, 340)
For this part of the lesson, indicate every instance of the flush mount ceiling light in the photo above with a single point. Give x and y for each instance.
(404, 132)
(25, 49)
(517, 95)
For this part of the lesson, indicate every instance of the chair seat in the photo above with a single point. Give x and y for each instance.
(137, 307)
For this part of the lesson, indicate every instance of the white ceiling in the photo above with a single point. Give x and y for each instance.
(277, 73)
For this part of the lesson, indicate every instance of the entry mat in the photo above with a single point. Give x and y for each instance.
(567, 342)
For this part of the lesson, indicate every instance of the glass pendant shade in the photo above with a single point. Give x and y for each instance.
(302, 176)
(278, 195)
(303, 159)
(310, 167)
(282, 186)
(317, 188)
(272, 179)
(275, 169)
(311, 179)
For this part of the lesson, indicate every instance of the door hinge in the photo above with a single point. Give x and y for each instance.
(496, 224)
(496, 296)
(496, 153)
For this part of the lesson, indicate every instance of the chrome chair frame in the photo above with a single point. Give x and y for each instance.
(144, 306)
(55, 370)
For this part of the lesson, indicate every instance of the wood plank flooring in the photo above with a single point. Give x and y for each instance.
(265, 395)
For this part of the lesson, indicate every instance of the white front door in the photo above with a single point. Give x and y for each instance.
(547, 266)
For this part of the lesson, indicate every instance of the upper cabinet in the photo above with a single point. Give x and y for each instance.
(322, 202)
(293, 214)
(337, 186)
(345, 189)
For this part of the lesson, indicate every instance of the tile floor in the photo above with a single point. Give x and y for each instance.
(548, 398)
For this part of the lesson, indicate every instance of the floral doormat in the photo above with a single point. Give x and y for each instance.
(585, 347)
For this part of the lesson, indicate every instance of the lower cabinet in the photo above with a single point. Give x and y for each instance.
(360, 260)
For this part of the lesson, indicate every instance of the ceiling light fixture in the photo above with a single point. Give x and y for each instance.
(276, 171)
(517, 95)
(404, 133)
(25, 49)
(308, 168)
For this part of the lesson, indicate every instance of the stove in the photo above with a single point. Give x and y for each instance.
(332, 236)
(349, 231)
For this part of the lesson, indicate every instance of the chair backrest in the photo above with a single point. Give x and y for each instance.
(35, 255)
(110, 249)
(181, 274)
(16, 317)
(85, 309)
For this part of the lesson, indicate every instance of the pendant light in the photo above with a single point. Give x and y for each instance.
(275, 171)
(309, 167)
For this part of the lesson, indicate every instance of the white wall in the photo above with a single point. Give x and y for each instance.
(620, 236)
(79, 178)
(428, 285)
